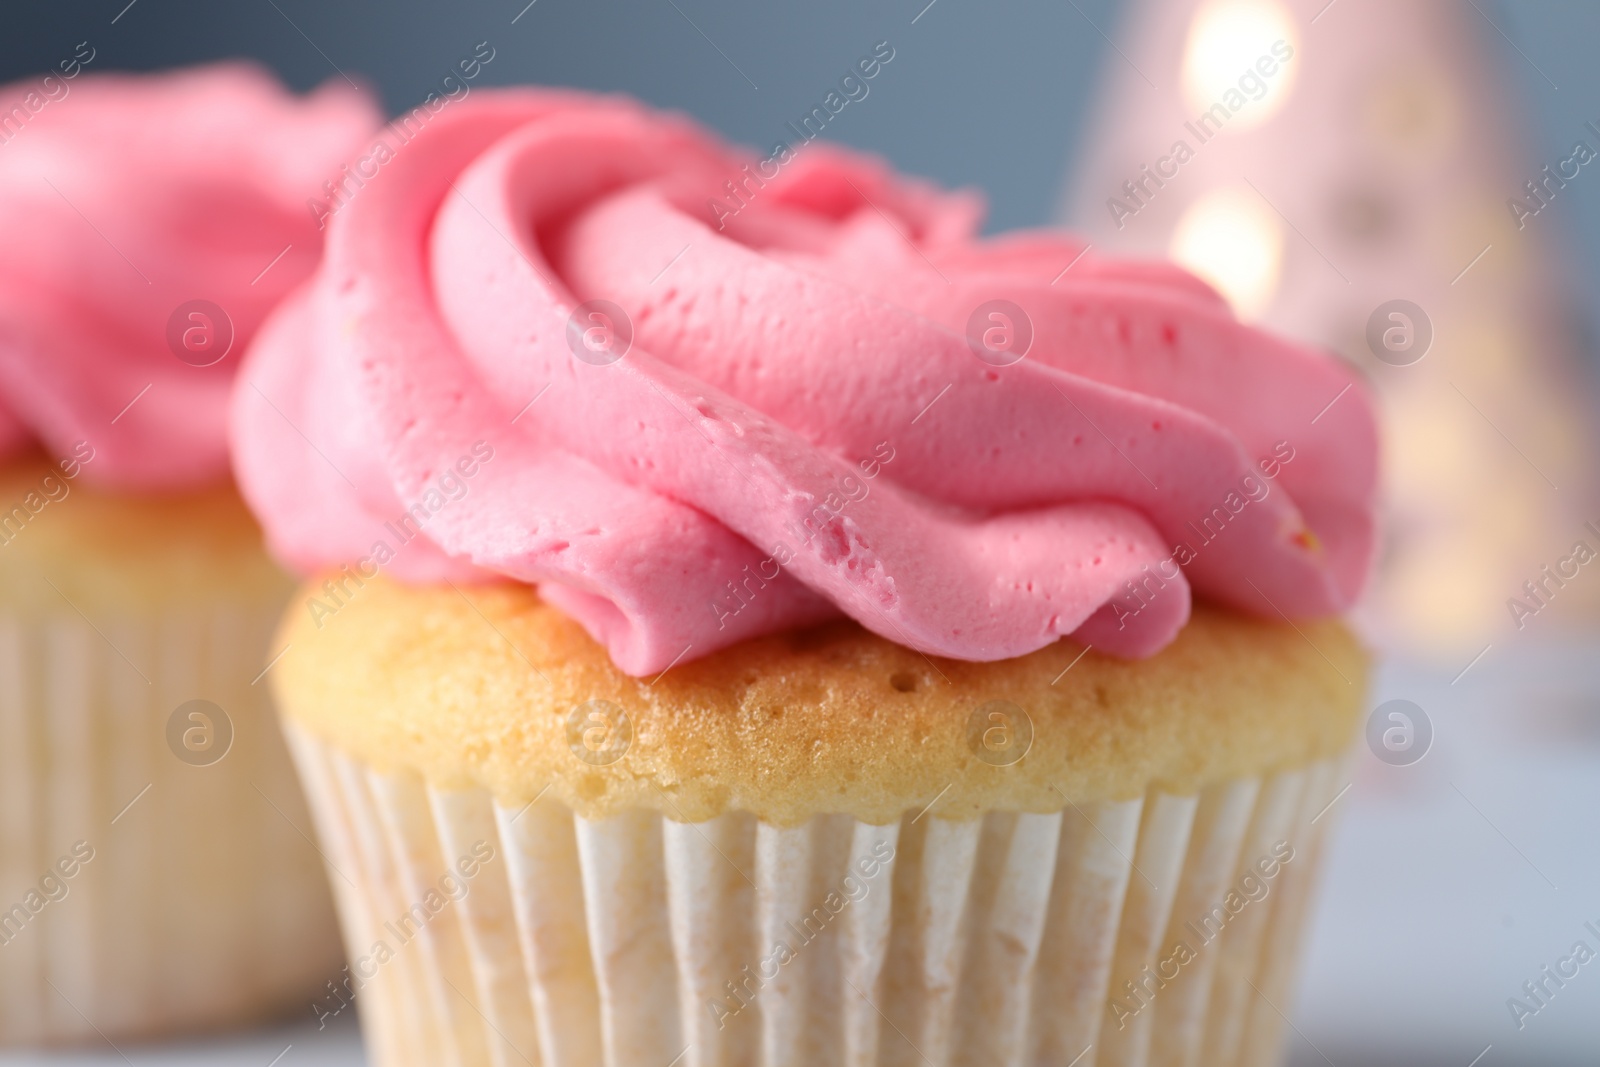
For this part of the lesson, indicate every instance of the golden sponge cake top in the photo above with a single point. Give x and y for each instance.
(488, 686)
(65, 546)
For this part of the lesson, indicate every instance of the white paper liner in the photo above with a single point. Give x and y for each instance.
(638, 941)
(204, 904)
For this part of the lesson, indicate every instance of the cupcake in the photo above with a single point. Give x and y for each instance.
(751, 619)
(156, 869)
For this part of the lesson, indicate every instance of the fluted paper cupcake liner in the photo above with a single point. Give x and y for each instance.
(141, 894)
(487, 934)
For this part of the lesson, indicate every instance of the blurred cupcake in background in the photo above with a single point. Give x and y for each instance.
(755, 620)
(154, 876)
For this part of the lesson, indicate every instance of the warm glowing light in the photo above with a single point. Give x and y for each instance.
(1235, 55)
(1233, 240)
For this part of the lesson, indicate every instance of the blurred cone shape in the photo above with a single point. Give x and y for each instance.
(1349, 173)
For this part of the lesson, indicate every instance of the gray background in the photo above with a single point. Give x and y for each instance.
(992, 94)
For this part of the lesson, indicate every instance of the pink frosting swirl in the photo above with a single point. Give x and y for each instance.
(801, 425)
(124, 197)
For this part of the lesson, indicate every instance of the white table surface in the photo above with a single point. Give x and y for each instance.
(295, 1045)
(1447, 884)
(1451, 882)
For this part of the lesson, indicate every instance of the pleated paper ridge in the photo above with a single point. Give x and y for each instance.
(639, 941)
(203, 905)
